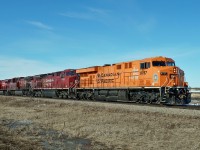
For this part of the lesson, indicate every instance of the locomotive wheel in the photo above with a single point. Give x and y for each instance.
(179, 101)
(92, 97)
(65, 96)
(82, 96)
(172, 100)
(149, 101)
(78, 96)
(39, 94)
(60, 96)
(89, 95)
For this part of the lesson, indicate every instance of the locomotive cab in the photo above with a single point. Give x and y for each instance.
(167, 73)
(171, 79)
(68, 78)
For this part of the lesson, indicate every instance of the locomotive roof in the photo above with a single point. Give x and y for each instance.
(149, 59)
(145, 59)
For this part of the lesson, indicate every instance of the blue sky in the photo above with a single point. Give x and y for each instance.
(40, 36)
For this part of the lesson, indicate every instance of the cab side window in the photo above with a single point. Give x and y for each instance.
(145, 65)
(62, 75)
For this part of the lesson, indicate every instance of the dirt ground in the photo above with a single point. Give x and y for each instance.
(32, 123)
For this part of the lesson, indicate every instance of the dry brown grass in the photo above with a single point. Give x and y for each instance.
(116, 126)
(196, 96)
(13, 141)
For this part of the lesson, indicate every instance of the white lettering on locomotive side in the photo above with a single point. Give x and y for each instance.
(108, 74)
(49, 80)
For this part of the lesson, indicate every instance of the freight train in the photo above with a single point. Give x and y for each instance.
(150, 80)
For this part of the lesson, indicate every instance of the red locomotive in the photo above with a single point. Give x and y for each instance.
(150, 80)
(57, 84)
(3, 87)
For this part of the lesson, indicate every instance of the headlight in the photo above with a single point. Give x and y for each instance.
(175, 70)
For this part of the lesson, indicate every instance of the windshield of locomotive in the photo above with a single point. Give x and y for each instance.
(170, 63)
(159, 63)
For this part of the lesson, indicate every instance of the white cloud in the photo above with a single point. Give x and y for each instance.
(39, 25)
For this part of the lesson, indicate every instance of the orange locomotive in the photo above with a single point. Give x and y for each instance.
(149, 80)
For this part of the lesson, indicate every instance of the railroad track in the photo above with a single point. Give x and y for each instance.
(186, 106)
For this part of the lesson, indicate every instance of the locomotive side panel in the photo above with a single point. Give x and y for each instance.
(126, 74)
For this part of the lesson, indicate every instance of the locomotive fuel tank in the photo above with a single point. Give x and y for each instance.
(1, 92)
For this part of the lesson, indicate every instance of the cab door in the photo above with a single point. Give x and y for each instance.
(145, 79)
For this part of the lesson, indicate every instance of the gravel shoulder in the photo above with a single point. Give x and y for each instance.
(96, 125)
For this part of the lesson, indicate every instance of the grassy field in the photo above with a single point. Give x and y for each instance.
(100, 125)
(196, 96)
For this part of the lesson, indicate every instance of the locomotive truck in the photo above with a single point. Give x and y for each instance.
(150, 80)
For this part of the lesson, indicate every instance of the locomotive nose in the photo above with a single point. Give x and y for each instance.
(177, 76)
(173, 76)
